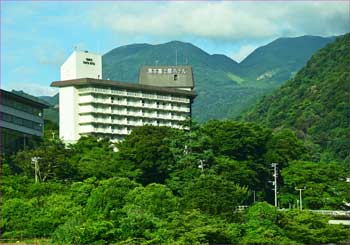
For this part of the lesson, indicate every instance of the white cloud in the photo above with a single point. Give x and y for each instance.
(222, 20)
(243, 52)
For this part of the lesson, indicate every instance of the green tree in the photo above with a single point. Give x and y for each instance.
(283, 147)
(94, 157)
(237, 140)
(147, 148)
(311, 228)
(261, 227)
(145, 210)
(214, 195)
(326, 186)
(52, 159)
(108, 198)
(17, 214)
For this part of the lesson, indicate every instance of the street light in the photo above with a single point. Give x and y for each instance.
(300, 198)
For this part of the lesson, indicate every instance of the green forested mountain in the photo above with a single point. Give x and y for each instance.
(315, 102)
(52, 100)
(225, 88)
(277, 61)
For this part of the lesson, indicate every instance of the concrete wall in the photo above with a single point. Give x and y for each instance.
(69, 114)
(82, 65)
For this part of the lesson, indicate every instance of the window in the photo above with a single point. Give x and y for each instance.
(175, 77)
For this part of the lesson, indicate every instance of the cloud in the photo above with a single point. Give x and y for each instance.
(222, 20)
(243, 52)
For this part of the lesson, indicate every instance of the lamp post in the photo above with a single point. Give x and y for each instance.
(300, 197)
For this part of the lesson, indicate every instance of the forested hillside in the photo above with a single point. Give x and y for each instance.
(276, 62)
(315, 102)
(171, 186)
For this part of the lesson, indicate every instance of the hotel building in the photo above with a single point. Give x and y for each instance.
(90, 105)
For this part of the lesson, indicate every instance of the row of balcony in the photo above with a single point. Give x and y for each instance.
(168, 107)
(124, 93)
(136, 114)
(163, 121)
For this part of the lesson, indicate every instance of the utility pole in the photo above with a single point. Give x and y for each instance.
(36, 168)
(274, 165)
(300, 197)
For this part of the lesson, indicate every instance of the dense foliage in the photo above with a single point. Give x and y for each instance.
(315, 103)
(162, 185)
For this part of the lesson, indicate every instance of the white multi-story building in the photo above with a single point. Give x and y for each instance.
(111, 109)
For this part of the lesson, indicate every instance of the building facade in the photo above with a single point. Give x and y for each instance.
(21, 121)
(112, 109)
(90, 105)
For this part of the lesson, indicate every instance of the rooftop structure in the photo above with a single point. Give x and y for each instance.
(180, 77)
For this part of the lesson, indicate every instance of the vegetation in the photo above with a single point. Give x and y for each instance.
(315, 103)
(164, 185)
(171, 186)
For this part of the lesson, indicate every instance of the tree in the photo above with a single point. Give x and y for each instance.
(93, 157)
(16, 218)
(145, 210)
(108, 198)
(147, 149)
(284, 147)
(261, 227)
(237, 140)
(312, 228)
(214, 195)
(326, 186)
(52, 161)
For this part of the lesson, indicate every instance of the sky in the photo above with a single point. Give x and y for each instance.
(37, 36)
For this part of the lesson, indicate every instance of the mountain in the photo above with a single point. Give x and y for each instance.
(52, 112)
(28, 96)
(217, 77)
(277, 61)
(225, 88)
(316, 102)
(52, 100)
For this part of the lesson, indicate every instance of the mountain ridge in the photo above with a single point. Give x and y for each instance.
(315, 102)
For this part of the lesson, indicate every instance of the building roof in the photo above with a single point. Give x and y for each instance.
(27, 99)
(167, 76)
(116, 84)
